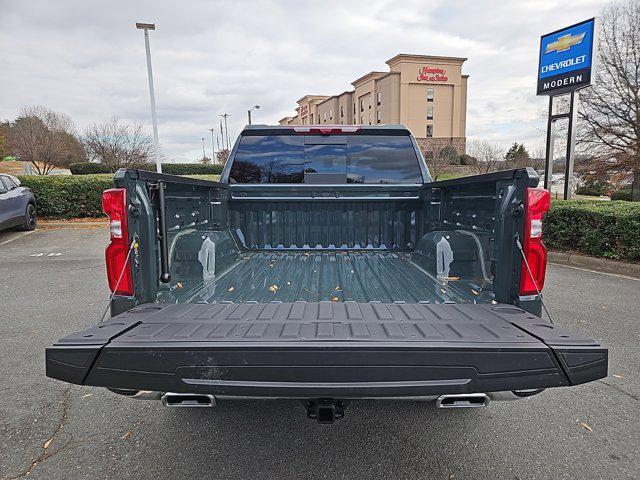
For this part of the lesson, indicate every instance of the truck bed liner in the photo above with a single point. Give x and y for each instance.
(326, 349)
(360, 276)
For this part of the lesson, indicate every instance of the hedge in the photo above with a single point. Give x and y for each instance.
(597, 228)
(191, 168)
(68, 196)
(89, 168)
(622, 194)
(72, 196)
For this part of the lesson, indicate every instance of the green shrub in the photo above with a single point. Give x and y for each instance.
(68, 196)
(600, 229)
(191, 169)
(595, 188)
(88, 168)
(622, 194)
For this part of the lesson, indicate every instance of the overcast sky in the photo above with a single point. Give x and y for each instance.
(86, 59)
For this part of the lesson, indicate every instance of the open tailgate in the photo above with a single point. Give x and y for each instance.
(325, 349)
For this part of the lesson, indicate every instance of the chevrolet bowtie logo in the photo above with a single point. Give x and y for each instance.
(564, 43)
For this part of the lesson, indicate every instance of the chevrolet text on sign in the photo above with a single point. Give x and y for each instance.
(566, 58)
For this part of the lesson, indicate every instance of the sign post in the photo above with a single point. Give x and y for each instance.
(565, 64)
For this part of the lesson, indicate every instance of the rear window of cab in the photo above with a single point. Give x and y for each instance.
(368, 159)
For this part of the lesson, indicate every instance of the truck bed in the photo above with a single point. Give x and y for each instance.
(341, 276)
(326, 349)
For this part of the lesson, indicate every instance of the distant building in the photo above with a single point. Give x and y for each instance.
(426, 93)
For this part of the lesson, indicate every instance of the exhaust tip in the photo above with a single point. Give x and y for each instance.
(465, 400)
(188, 400)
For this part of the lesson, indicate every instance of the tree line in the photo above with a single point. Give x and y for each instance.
(48, 139)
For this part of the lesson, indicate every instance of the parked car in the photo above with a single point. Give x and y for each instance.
(17, 204)
(326, 266)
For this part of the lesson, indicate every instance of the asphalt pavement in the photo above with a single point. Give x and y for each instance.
(52, 282)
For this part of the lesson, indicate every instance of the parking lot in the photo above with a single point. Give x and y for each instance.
(52, 282)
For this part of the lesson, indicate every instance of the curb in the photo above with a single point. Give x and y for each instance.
(44, 224)
(593, 263)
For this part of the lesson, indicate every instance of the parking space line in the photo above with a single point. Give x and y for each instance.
(619, 275)
(16, 238)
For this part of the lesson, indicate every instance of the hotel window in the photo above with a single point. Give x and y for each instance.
(324, 117)
(378, 116)
(430, 112)
(429, 131)
(354, 110)
(341, 111)
(378, 98)
(429, 94)
(331, 114)
(362, 104)
(361, 120)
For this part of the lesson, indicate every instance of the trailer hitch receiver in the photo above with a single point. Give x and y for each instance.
(325, 410)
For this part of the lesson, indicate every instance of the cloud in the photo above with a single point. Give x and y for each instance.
(86, 59)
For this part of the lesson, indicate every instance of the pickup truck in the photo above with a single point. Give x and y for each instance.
(326, 266)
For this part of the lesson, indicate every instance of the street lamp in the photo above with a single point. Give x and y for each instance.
(213, 146)
(226, 131)
(156, 144)
(256, 107)
(204, 154)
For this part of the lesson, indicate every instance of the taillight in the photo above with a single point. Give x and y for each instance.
(114, 204)
(537, 204)
(326, 130)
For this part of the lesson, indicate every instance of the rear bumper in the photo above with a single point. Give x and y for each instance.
(135, 352)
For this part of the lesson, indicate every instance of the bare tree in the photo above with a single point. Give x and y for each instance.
(222, 156)
(489, 156)
(611, 107)
(437, 162)
(117, 145)
(44, 138)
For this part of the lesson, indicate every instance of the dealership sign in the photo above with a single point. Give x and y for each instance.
(432, 74)
(566, 58)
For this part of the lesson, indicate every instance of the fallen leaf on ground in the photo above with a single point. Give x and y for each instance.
(618, 375)
(586, 426)
(273, 288)
(231, 289)
(127, 435)
(288, 283)
(86, 395)
(337, 287)
(47, 443)
(335, 299)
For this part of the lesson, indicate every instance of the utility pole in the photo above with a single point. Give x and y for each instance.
(156, 143)
(226, 131)
(204, 154)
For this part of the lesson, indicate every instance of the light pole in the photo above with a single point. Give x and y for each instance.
(213, 146)
(156, 143)
(204, 154)
(226, 131)
(249, 112)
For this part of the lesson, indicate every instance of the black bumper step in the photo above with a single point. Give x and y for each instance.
(324, 349)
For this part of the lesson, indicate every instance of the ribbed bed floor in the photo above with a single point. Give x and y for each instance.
(334, 276)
